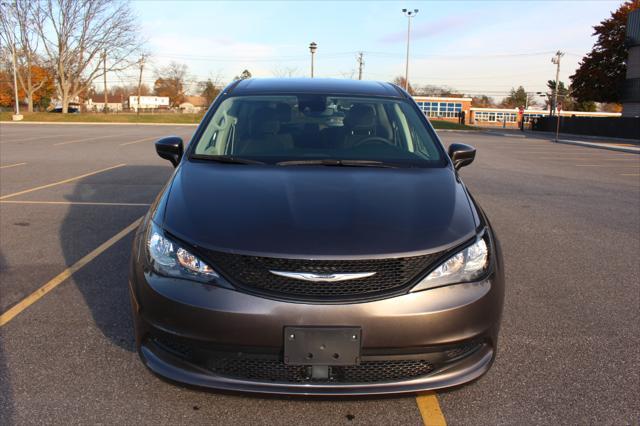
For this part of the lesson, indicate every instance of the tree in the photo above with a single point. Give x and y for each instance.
(431, 90)
(588, 106)
(602, 71)
(284, 72)
(42, 85)
(243, 75)
(17, 22)
(564, 97)
(610, 107)
(6, 88)
(128, 90)
(482, 101)
(171, 81)
(399, 81)
(75, 36)
(209, 90)
(517, 98)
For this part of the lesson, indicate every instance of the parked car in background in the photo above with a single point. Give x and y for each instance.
(70, 110)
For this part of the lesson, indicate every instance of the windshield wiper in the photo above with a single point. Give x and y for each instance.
(226, 159)
(337, 163)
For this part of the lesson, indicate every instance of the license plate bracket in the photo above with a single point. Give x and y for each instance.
(322, 345)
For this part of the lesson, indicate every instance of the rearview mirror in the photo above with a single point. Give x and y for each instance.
(170, 148)
(461, 155)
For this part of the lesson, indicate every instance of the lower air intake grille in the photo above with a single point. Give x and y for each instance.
(268, 367)
(276, 371)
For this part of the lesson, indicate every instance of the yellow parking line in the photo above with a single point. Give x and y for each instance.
(12, 165)
(629, 174)
(73, 203)
(7, 316)
(138, 141)
(86, 139)
(4, 197)
(430, 409)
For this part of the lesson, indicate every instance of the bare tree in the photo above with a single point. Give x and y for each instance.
(171, 81)
(18, 32)
(348, 74)
(211, 88)
(282, 72)
(75, 34)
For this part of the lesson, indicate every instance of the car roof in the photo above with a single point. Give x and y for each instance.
(255, 86)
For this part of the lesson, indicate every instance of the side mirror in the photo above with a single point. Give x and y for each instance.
(170, 148)
(461, 155)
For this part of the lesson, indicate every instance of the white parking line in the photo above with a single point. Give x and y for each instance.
(37, 188)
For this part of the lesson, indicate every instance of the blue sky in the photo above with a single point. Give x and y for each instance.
(473, 46)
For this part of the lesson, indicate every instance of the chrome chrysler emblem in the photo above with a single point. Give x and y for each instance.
(323, 278)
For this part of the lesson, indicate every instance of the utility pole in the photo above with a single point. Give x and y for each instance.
(556, 60)
(104, 74)
(142, 59)
(360, 65)
(409, 14)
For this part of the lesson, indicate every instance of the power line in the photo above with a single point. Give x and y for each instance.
(330, 55)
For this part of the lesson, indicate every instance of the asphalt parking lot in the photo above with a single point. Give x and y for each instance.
(568, 218)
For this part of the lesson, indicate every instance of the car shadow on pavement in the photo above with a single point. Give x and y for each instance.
(6, 391)
(103, 282)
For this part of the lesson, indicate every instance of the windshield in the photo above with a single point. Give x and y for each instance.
(295, 129)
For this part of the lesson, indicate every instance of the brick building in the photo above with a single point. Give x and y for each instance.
(444, 108)
(449, 109)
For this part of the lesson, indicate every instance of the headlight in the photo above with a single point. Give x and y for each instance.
(168, 258)
(466, 265)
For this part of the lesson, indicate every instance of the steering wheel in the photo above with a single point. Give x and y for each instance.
(371, 140)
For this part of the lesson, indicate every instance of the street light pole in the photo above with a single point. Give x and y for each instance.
(11, 40)
(409, 14)
(15, 81)
(312, 48)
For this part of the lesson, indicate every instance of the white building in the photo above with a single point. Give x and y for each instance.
(148, 102)
(193, 104)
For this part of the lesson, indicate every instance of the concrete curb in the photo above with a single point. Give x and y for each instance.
(507, 135)
(89, 123)
(599, 146)
(586, 137)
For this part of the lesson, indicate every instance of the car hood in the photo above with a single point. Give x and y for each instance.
(317, 211)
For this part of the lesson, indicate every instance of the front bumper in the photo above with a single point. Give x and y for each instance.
(412, 326)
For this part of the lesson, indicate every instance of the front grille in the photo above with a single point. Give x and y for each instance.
(252, 272)
(276, 371)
